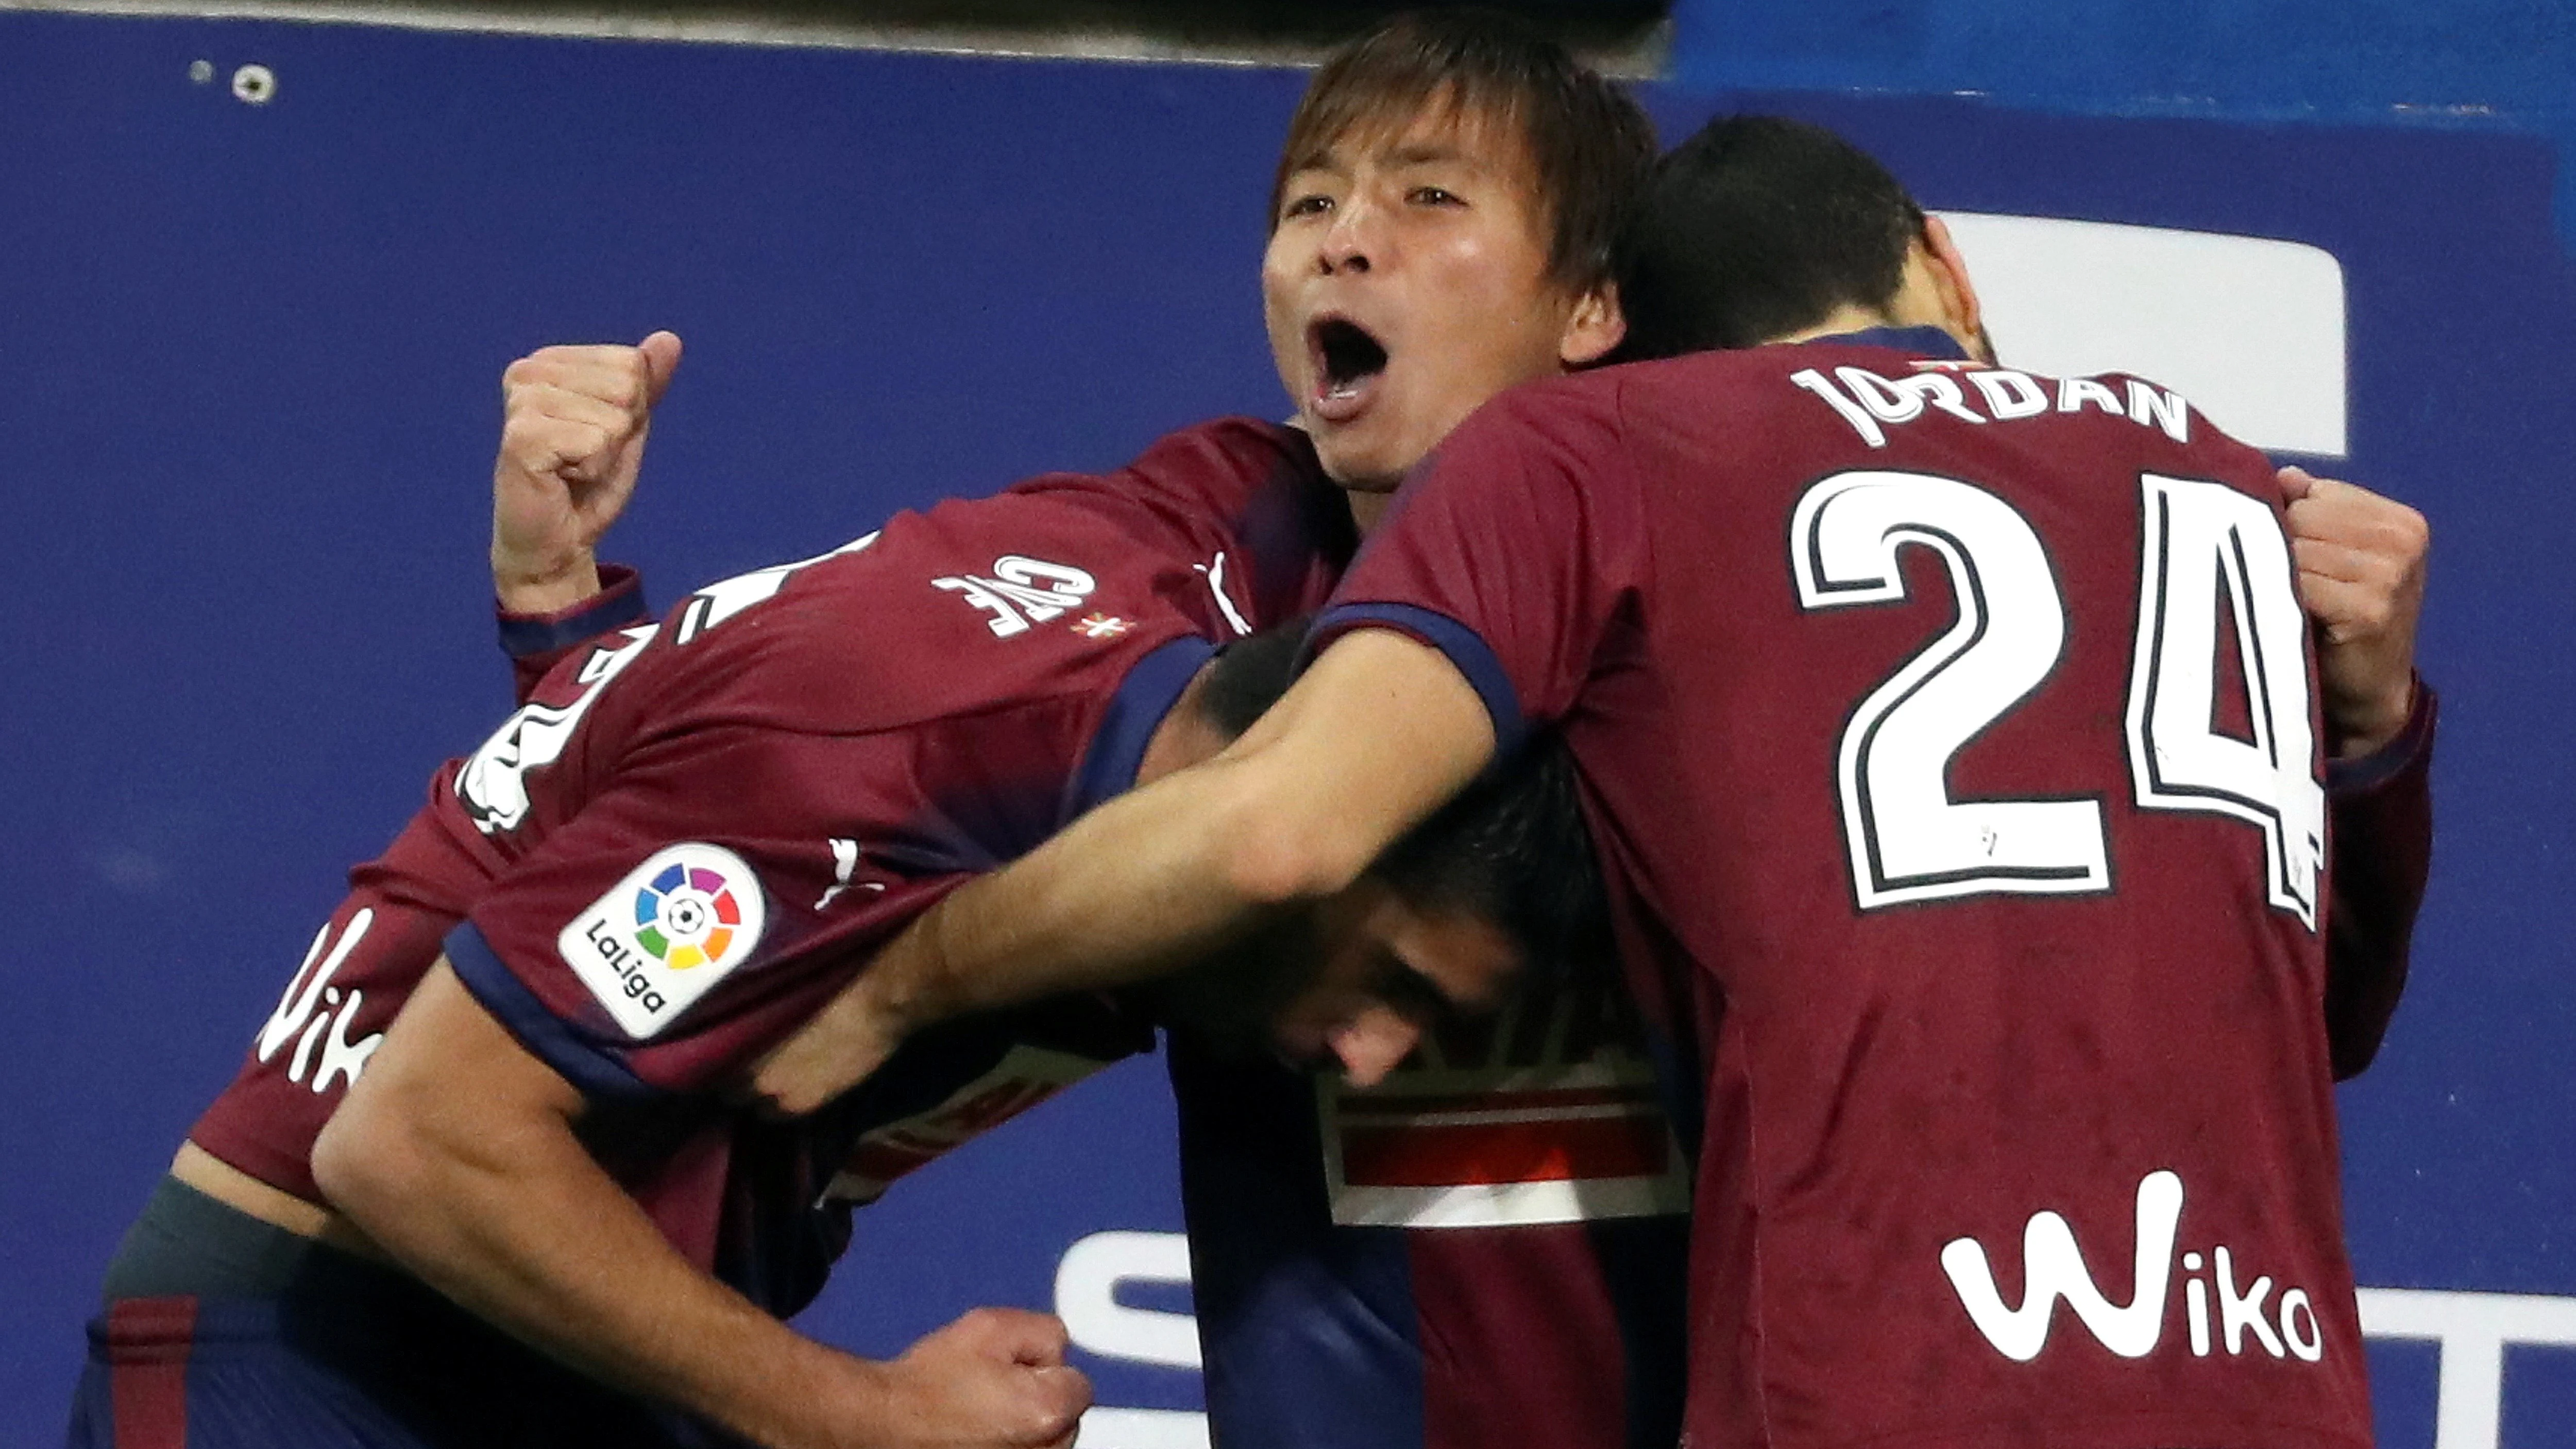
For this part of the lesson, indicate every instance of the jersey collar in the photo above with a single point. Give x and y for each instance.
(1152, 686)
(1922, 341)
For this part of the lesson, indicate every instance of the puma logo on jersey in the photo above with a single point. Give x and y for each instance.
(1020, 592)
(2053, 1267)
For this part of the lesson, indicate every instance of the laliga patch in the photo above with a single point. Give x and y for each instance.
(662, 937)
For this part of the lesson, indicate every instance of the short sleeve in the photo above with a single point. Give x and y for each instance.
(684, 922)
(1249, 503)
(1512, 550)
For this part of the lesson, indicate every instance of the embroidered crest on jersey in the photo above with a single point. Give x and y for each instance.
(666, 934)
(1097, 625)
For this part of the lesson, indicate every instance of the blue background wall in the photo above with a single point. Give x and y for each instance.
(248, 358)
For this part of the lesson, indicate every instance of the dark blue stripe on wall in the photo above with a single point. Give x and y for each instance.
(2486, 63)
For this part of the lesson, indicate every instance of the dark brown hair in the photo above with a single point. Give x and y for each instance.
(1755, 228)
(1589, 145)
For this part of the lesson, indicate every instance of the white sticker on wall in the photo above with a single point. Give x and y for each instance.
(2249, 328)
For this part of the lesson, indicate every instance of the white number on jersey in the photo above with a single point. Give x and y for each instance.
(1907, 839)
(717, 602)
(494, 783)
(1021, 591)
(2201, 538)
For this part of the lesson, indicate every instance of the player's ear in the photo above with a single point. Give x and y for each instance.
(1963, 315)
(1593, 327)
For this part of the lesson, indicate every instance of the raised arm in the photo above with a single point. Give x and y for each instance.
(573, 425)
(2361, 564)
(456, 1153)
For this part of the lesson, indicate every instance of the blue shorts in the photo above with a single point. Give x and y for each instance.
(344, 1354)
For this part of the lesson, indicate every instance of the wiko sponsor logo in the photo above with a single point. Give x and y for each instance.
(315, 1015)
(2053, 1267)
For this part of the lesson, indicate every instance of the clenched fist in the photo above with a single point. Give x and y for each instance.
(2360, 561)
(573, 423)
(994, 1379)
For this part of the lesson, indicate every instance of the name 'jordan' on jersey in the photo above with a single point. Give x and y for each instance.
(692, 834)
(1958, 733)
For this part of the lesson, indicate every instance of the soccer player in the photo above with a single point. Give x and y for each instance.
(1365, 1272)
(1366, 1263)
(502, 1063)
(1957, 739)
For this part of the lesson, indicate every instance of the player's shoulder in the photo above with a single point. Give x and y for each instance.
(967, 606)
(1215, 464)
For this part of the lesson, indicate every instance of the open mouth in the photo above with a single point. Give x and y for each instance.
(1347, 361)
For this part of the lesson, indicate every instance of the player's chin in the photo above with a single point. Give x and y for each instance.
(1362, 459)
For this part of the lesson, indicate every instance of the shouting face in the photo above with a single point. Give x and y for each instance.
(1407, 281)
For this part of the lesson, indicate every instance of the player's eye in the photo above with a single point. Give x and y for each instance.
(1408, 992)
(1434, 196)
(1311, 204)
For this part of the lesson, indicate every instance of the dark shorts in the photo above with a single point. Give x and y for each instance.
(334, 1352)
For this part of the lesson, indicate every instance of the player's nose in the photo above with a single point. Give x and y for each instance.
(1356, 236)
(1371, 1044)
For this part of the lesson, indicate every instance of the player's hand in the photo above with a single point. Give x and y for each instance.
(573, 422)
(994, 1379)
(850, 1037)
(2360, 560)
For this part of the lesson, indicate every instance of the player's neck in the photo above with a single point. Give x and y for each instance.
(1843, 319)
(1184, 738)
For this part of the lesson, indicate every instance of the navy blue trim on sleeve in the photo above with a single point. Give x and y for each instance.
(546, 1036)
(619, 602)
(2353, 777)
(1152, 686)
(1462, 646)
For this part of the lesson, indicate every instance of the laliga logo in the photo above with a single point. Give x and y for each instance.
(686, 917)
(2053, 1268)
(666, 934)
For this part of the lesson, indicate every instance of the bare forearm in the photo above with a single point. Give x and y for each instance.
(1379, 732)
(523, 587)
(1134, 889)
(486, 1195)
(520, 1240)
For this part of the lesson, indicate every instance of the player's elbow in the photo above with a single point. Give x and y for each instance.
(366, 1161)
(1281, 849)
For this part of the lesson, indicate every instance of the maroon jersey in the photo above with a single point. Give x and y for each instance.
(1952, 737)
(694, 833)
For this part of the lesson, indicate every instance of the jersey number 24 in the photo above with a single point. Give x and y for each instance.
(1908, 840)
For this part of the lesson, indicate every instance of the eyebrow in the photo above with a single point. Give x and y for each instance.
(1418, 153)
(1424, 154)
